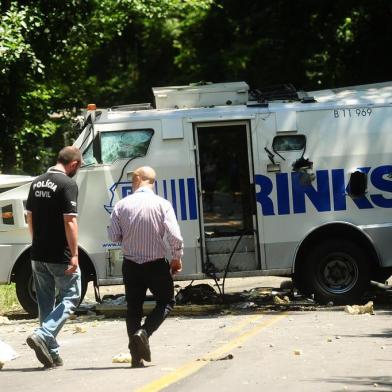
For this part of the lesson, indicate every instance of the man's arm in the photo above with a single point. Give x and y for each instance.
(174, 239)
(175, 266)
(114, 230)
(71, 232)
(30, 223)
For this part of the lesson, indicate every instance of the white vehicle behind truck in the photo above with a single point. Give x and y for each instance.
(276, 182)
(11, 181)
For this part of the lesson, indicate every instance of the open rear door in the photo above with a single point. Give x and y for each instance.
(228, 221)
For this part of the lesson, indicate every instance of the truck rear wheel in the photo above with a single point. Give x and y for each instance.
(337, 271)
(25, 290)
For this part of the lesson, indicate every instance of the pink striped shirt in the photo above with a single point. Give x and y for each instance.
(146, 226)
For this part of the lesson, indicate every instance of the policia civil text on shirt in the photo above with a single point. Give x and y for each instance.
(51, 217)
(147, 228)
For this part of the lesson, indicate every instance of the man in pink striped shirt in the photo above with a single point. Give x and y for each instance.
(147, 228)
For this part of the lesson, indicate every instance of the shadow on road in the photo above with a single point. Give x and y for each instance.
(371, 382)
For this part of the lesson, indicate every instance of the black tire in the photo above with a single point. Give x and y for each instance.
(382, 275)
(337, 271)
(300, 282)
(25, 288)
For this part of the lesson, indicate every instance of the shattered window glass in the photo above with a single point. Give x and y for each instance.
(124, 144)
(88, 158)
(120, 144)
(289, 143)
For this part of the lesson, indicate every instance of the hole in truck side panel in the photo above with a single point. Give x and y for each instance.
(357, 185)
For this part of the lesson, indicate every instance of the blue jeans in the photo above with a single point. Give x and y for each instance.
(47, 277)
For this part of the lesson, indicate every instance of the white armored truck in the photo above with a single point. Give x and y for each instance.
(263, 182)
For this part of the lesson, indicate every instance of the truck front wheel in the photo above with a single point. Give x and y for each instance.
(25, 290)
(337, 271)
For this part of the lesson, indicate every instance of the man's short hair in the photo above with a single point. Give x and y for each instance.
(146, 173)
(69, 154)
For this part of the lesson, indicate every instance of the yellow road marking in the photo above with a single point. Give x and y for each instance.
(193, 366)
(244, 323)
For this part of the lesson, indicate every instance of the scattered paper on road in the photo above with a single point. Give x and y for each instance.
(7, 353)
(122, 358)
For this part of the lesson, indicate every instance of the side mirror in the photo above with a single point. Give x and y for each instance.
(357, 185)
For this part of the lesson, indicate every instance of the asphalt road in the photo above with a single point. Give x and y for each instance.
(318, 350)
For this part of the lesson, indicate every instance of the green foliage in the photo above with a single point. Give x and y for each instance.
(15, 24)
(57, 56)
(8, 299)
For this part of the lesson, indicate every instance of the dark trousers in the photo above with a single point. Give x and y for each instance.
(155, 276)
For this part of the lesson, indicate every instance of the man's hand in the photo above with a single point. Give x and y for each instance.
(175, 266)
(72, 266)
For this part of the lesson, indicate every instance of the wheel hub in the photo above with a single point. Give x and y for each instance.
(338, 273)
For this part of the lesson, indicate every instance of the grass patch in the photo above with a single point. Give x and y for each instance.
(8, 298)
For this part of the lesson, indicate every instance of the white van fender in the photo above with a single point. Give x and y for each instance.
(349, 228)
(12, 252)
(88, 263)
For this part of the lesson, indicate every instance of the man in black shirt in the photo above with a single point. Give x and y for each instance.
(51, 217)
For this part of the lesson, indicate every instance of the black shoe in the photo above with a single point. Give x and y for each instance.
(140, 340)
(134, 351)
(41, 350)
(57, 361)
(137, 363)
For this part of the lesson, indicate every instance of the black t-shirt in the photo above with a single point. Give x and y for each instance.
(52, 195)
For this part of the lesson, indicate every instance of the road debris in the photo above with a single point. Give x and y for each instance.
(122, 358)
(4, 320)
(281, 301)
(80, 329)
(7, 353)
(360, 309)
(198, 294)
(245, 305)
(224, 358)
(114, 299)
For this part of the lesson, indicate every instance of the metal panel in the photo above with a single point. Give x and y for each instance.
(381, 236)
(286, 121)
(239, 262)
(172, 128)
(280, 255)
(227, 244)
(216, 94)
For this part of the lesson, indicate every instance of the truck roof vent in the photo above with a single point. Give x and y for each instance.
(131, 108)
(201, 95)
(278, 92)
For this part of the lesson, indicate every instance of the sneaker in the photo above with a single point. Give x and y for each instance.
(140, 340)
(57, 360)
(41, 350)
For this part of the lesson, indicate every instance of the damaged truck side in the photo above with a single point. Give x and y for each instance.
(275, 182)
